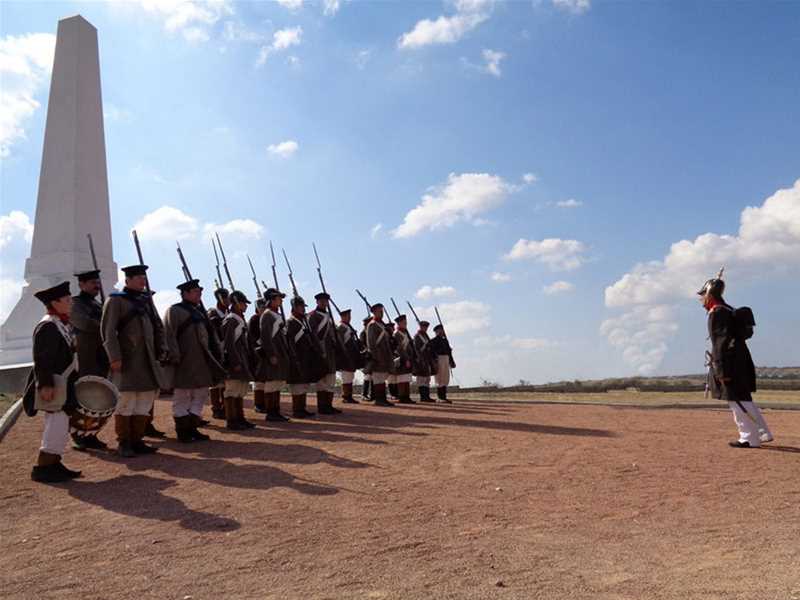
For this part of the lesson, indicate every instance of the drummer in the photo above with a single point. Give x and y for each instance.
(92, 357)
(53, 389)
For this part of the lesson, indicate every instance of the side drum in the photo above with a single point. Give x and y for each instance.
(96, 400)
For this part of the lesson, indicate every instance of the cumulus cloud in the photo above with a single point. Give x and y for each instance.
(447, 29)
(14, 226)
(426, 292)
(25, 65)
(193, 19)
(463, 197)
(642, 335)
(16, 233)
(168, 223)
(491, 59)
(376, 231)
(530, 178)
(163, 299)
(498, 277)
(283, 149)
(362, 58)
(558, 287)
(281, 40)
(576, 7)
(291, 4)
(558, 254)
(509, 341)
(571, 203)
(459, 317)
(767, 244)
(330, 7)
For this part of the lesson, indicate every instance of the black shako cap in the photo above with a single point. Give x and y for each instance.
(53, 293)
(188, 286)
(134, 270)
(88, 275)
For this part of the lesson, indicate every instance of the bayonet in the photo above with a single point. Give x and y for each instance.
(225, 263)
(96, 268)
(255, 279)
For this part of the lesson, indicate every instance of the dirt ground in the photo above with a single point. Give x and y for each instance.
(482, 499)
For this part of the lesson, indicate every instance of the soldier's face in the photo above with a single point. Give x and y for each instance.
(299, 310)
(423, 328)
(63, 306)
(378, 314)
(137, 282)
(193, 296)
(91, 286)
(346, 319)
(322, 303)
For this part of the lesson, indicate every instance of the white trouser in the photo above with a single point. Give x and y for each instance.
(273, 386)
(56, 432)
(443, 370)
(404, 378)
(348, 376)
(747, 423)
(296, 389)
(235, 388)
(258, 386)
(327, 383)
(135, 403)
(423, 381)
(379, 378)
(191, 400)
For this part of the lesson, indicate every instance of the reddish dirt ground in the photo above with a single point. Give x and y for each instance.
(481, 499)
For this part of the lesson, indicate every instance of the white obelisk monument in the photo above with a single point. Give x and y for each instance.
(73, 186)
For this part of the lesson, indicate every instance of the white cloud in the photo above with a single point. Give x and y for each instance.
(459, 317)
(508, 341)
(16, 233)
(284, 149)
(767, 245)
(447, 29)
(234, 31)
(168, 223)
(362, 58)
(281, 40)
(192, 18)
(291, 4)
(426, 292)
(112, 112)
(375, 231)
(558, 287)
(330, 7)
(558, 254)
(642, 335)
(16, 225)
(25, 64)
(530, 178)
(492, 60)
(571, 203)
(163, 299)
(462, 198)
(500, 277)
(576, 7)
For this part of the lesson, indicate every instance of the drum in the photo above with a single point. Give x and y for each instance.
(96, 400)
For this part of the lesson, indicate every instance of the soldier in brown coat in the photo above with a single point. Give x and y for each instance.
(425, 366)
(273, 355)
(215, 316)
(237, 362)
(308, 363)
(134, 342)
(253, 335)
(195, 357)
(321, 323)
(381, 355)
(92, 358)
(366, 369)
(405, 358)
(351, 357)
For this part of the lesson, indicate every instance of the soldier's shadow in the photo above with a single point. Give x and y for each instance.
(224, 473)
(294, 454)
(142, 496)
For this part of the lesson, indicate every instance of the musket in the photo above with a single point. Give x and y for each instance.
(154, 313)
(187, 274)
(291, 275)
(339, 341)
(225, 262)
(216, 284)
(369, 306)
(397, 310)
(413, 312)
(255, 279)
(96, 268)
(218, 280)
(275, 277)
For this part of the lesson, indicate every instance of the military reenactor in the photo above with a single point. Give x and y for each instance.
(321, 323)
(237, 362)
(391, 377)
(350, 358)
(273, 355)
(732, 374)
(381, 356)
(92, 358)
(134, 342)
(366, 370)
(195, 355)
(51, 384)
(253, 335)
(440, 347)
(405, 358)
(307, 363)
(215, 316)
(425, 366)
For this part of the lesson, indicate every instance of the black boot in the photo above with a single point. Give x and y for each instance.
(151, 432)
(443, 395)
(329, 396)
(379, 395)
(240, 413)
(217, 404)
(393, 390)
(47, 469)
(347, 394)
(195, 421)
(231, 416)
(425, 394)
(274, 408)
(323, 406)
(183, 429)
(299, 407)
(259, 401)
(365, 390)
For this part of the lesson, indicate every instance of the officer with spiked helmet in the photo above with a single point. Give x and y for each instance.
(732, 375)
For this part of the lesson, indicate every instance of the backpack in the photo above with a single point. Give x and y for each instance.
(744, 322)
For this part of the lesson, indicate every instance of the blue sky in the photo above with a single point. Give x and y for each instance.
(559, 145)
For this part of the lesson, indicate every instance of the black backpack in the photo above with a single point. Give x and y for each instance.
(744, 322)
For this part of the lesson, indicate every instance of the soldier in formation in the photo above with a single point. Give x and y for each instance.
(426, 362)
(350, 358)
(253, 333)
(273, 354)
(440, 348)
(379, 346)
(324, 329)
(237, 362)
(215, 315)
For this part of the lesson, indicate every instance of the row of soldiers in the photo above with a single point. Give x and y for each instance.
(197, 354)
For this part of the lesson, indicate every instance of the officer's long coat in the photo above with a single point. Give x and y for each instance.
(85, 321)
(308, 364)
(351, 358)
(730, 358)
(272, 345)
(404, 351)
(380, 347)
(237, 353)
(322, 325)
(425, 366)
(192, 347)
